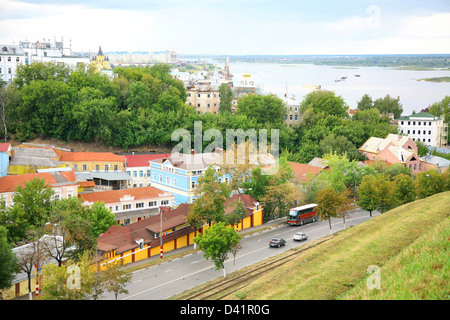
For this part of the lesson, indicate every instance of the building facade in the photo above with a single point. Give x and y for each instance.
(138, 168)
(130, 205)
(425, 127)
(292, 106)
(11, 56)
(179, 173)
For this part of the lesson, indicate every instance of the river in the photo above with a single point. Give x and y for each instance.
(375, 81)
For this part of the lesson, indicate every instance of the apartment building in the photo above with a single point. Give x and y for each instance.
(425, 127)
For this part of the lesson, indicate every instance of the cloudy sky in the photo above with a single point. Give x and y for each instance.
(233, 26)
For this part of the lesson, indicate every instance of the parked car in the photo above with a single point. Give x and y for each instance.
(300, 236)
(277, 242)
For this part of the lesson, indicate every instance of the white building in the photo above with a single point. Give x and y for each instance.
(47, 51)
(11, 56)
(425, 127)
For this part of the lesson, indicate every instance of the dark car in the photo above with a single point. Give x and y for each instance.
(277, 242)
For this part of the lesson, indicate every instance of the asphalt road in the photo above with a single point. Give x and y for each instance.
(169, 278)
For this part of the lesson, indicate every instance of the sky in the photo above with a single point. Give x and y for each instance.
(233, 27)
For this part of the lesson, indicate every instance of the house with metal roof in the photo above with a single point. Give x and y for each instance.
(436, 163)
(394, 149)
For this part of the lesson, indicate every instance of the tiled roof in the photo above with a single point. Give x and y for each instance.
(123, 238)
(11, 182)
(114, 196)
(141, 160)
(248, 201)
(303, 171)
(90, 156)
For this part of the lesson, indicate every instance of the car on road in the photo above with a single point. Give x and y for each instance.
(300, 236)
(277, 242)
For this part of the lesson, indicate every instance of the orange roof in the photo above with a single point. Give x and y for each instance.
(11, 182)
(115, 195)
(304, 171)
(90, 156)
(86, 183)
(247, 200)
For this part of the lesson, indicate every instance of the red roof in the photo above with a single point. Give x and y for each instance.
(303, 171)
(141, 160)
(5, 147)
(247, 200)
(114, 196)
(90, 156)
(123, 238)
(10, 182)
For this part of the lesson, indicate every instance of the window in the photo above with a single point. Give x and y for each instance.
(154, 176)
(139, 205)
(429, 132)
(160, 178)
(175, 182)
(106, 167)
(401, 122)
(75, 167)
(296, 117)
(116, 167)
(193, 184)
(167, 180)
(153, 204)
(141, 173)
(418, 131)
(164, 202)
(429, 123)
(129, 173)
(17, 59)
(84, 167)
(97, 167)
(9, 59)
(126, 207)
(135, 174)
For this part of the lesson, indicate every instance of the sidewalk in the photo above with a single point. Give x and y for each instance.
(180, 251)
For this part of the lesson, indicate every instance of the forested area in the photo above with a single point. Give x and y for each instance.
(143, 105)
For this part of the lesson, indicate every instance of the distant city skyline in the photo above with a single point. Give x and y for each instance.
(233, 27)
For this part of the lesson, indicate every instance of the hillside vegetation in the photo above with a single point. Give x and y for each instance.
(409, 244)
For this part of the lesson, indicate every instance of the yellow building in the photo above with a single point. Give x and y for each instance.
(100, 61)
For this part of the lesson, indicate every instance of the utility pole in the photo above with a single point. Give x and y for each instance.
(161, 236)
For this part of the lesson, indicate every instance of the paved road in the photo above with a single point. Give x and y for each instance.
(167, 279)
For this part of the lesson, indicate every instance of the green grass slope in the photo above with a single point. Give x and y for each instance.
(337, 269)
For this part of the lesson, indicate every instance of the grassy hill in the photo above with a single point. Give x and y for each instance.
(409, 244)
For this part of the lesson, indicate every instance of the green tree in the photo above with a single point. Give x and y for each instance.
(428, 183)
(265, 109)
(212, 195)
(368, 194)
(376, 193)
(226, 96)
(8, 261)
(388, 105)
(329, 204)
(404, 189)
(324, 101)
(237, 214)
(365, 103)
(217, 242)
(32, 205)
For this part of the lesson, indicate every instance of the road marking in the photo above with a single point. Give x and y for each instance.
(137, 281)
(195, 261)
(168, 270)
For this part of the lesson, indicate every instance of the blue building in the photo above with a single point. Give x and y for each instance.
(5, 152)
(179, 173)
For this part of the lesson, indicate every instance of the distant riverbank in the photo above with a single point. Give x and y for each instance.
(436, 79)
